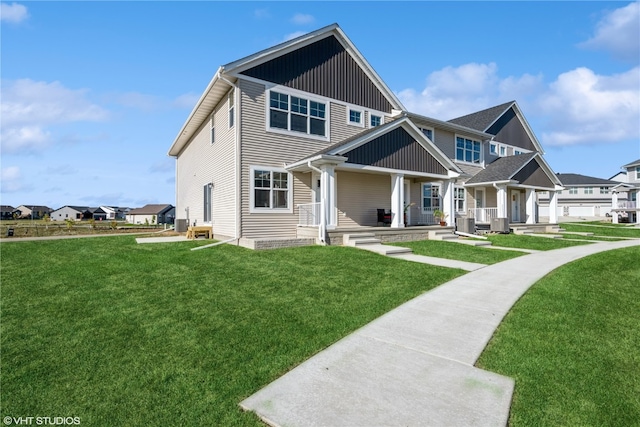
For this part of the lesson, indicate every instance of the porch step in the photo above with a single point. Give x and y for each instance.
(522, 230)
(548, 236)
(369, 242)
(472, 242)
(442, 235)
(359, 239)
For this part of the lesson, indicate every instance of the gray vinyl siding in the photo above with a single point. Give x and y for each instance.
(509, 129)
(202, 162)
(532, 174)
(359, 195)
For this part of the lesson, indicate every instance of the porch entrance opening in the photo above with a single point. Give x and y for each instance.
(515, 206)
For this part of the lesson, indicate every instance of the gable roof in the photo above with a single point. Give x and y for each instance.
(577, 179)
(417, 149)
(150, 210)
(507, 168)
(226, 76)
(634, 163)
(483, 120)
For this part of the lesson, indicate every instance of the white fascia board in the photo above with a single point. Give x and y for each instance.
(490, 183)
(189, 127)
(440, 124)
(545, 167)
(527, 128)
(318, 160)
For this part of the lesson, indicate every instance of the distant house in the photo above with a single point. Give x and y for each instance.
(33, 211)
(583, 196)
(627, 209)
(114, 212)
(152, 214)
(76, 213)
(6, 211)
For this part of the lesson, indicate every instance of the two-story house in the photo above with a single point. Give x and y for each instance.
(627, 210)
(307, 134)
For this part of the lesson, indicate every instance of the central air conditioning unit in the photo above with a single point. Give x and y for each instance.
(466, 225)
(500, 225)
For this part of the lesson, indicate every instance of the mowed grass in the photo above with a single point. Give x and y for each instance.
(603, 229)
(531, 242)
(458, 251)
(117, 333)
(572, 343)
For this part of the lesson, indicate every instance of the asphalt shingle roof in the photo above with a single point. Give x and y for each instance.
(577, 179)
(481, 120)
(502, 169)
(149, 210)
(634, 163)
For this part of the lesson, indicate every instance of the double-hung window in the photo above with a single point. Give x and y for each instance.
(458, 198)
(297, 114)
(588, 190)
(573, 190)
(637, 172)
(232, 109)
(467, 150)
(212, 128)
(430, 197)
(270, 189)
(604, 190)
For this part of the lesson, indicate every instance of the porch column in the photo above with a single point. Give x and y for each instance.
(397, 198)
(502, 200)
(614, 205)
(448, 202)
(328, 195)
(530, 207)
(553, 207)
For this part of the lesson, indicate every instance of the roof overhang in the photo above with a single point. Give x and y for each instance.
(312, 163)
(451, 126)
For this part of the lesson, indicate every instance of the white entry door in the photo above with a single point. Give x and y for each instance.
(515, 206)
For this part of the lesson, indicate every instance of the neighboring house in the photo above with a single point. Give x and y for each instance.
(152, 214)
(114, 212)
(307, 134)
(627, 210)
(33, 211)
(583, 196)
(6, 211)
(76, 213)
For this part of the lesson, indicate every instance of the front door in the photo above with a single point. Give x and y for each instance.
(407, 202)
(515, 206)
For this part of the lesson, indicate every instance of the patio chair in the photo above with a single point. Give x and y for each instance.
(384, 217)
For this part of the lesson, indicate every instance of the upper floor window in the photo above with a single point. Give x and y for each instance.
(297, 114)
(493, 148)
(428, 132)
(270, 189)
(573, 190)
(503, 151)
(637, 172)
(467, 150)
(516, 152)
(212, 128)
(588, 190)
(604, 190)
(355, 117)
(232, 103)
(375, 120)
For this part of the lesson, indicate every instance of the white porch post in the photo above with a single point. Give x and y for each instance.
(502, 201)
(397, 198)
(553, 207)
(614, 205)
(328, 195)
(448, 202)
(530, 206)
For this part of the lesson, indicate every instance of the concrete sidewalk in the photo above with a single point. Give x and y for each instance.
(414, 365)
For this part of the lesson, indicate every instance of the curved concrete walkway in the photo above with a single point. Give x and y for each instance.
(414, 365)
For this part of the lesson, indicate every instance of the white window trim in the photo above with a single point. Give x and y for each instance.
(439, 196)
(252, 208)
(433, 132)
(212, 129)
(309, 97)
(231, 104)
(573, 190)
(464, 199)
(371, 114)
(497, 149)
(588, 190)
(455, 153)
(362, 116)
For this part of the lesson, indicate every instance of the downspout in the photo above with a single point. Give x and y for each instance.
(322, 227)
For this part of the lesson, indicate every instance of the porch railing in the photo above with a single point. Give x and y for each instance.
(627, 205)
(483, 215)
(309, 215)
(420, 216)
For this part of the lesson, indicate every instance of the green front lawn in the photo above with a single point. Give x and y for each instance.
(530, 242)
(458, 251)
(123, 334)
(572, 343)
(613, 230)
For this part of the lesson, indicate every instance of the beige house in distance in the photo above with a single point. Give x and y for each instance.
(306, 136)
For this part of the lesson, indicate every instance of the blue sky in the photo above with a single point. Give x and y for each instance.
(94, 93)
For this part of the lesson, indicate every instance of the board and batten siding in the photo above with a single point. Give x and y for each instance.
(201, 162)
(263, 148)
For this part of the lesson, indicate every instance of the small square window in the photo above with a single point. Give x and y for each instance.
(355, 116)
(375, 121)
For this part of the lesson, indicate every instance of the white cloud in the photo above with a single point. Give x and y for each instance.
(579, 107)
(455, 91)
(582, 107)
(14, 13)
(187, 100)
(11, 180)
(302, 19)
(29, 108)
(619, 33)
(262, 14)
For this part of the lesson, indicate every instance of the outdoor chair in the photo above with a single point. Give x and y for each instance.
(384, 217)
